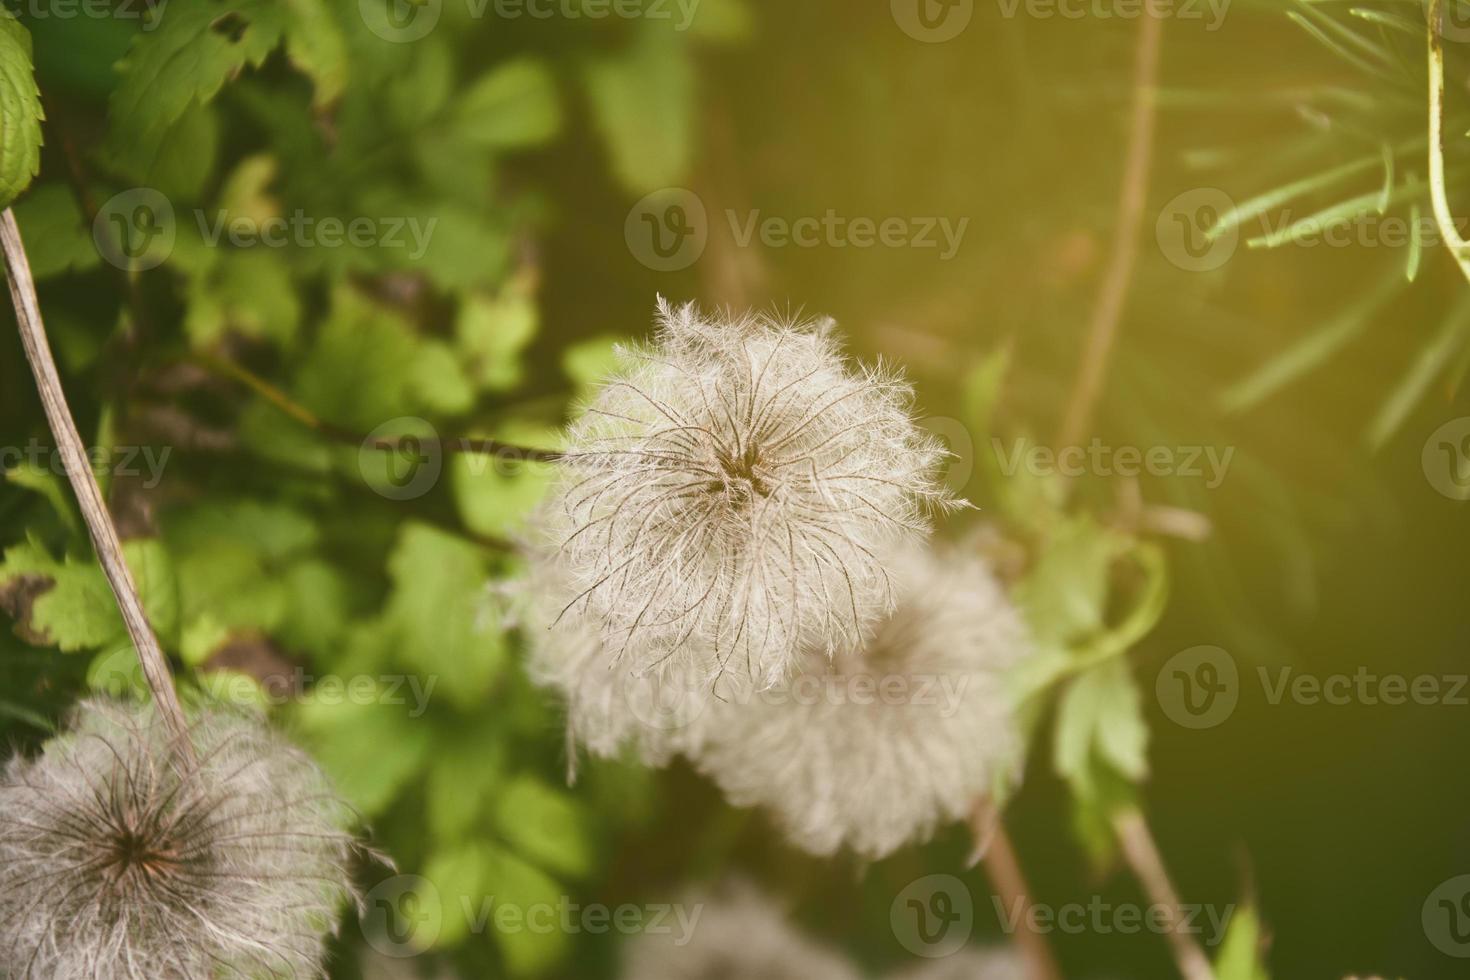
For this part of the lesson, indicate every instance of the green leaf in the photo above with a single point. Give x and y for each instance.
(359, 371)
(491, 333)
(371, 750)
(589, 362)
(545, 826)
(49, 485)
(513, 105)
(457, 874)
(1240, 956)
(1065, 595)
(248, 291)
(496, 495)
(77, 611)
(58, 238)
(1100, 720)
(519, 886)
(186, 155)
(462, 781)
(643, 103)
(437, 616)
(317, 612)
(20, 111)
(184, 59)
(118, 672)
(230, 557)
(438, 379)
(316, 46)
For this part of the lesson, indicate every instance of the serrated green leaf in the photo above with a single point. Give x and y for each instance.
(78, 611)
(20, 111)
(184, 59)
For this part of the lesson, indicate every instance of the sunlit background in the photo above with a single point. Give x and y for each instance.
(634, 158)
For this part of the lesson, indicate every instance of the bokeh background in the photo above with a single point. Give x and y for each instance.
(1331, 546)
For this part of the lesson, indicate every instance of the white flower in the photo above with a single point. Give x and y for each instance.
(1000, 963)
(737, 934)
(116, 862)
(891, 740)
(736, 488)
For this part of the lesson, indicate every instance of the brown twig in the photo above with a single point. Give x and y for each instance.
(84, 482)
(1143, 857)
(993, 847)
(1102, 329)
(295, 410)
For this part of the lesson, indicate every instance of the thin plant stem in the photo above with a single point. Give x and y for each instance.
(994, 849)
(1143, 857)
(84, 482)
(1445, 221)
(1107, 311)
(300, 413)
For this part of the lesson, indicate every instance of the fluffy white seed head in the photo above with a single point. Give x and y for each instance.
(1000, 963)
(611, 706)
(737, 486)
(893, 739)
(116, 862)
(737, 934)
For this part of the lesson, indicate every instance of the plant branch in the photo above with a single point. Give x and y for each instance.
(294, 409)
(84, 482)
(993, 846)
(1142, 855)
(1458, 246)
(1107, 311)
